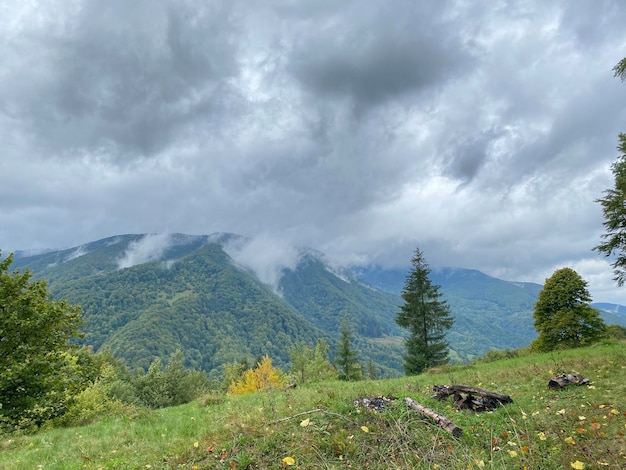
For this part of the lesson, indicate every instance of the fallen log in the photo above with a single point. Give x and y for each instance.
(476, 399)
(440, 420)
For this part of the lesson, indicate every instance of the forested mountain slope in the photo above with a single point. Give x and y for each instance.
(327, 298)
(147, 295)
(489, 312)
(203, 304)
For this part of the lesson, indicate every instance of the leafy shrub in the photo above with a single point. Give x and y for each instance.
(91, 404)
(616, 332)
(263, 377)
(170, 385)
(311, 365)
(233, 372)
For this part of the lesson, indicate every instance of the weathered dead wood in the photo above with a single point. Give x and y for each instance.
(558, 382)
(477, 399)
(440, 420)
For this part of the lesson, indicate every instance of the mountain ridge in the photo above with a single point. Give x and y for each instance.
(220, 298)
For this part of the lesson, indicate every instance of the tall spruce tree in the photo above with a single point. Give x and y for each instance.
(563, 316)
(613, 207)
(427, 318)
(347, 356)
(614, 212)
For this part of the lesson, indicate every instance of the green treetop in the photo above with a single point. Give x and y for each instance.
(563, 316)
(38, 371)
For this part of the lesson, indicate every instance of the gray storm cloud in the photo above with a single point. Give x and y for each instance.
(126, 77)
(483, 132)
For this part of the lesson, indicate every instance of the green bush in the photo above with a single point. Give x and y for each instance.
(170, 385)
(92, 403)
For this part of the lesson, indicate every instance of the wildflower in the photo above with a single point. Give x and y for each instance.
(542, 436)
(512, 453)
(364, 429)
(578, 465)
(288, 461)
(305, 422)
(570, 440)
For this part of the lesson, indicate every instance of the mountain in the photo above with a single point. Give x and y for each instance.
(489, 312)
(148, 295)
(326, 297)
(612, 314)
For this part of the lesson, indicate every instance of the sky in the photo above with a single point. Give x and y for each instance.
(481, 133)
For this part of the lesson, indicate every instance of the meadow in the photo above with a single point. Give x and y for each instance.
(317, 426)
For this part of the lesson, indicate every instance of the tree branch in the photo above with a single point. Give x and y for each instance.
(440, 420)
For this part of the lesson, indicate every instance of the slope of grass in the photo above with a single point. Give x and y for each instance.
(319, 426)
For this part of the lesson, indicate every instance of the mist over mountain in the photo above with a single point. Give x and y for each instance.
(223, 298)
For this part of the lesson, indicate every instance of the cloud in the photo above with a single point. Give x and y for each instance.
(267, 257)
(481, 132)
(77, 253)
(405, 54)
(122, 78)
(148, 248)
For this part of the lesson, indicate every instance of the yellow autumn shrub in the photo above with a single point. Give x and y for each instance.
(263, 377)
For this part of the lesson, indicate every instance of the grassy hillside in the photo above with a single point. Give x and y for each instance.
(319, 426)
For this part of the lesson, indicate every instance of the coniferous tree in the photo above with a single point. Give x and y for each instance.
(563, 316)
(614, 212)
(620, 69)
(427, 318)
(347, 357)
(613, 207)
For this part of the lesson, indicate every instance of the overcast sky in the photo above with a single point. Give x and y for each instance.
(482, 132)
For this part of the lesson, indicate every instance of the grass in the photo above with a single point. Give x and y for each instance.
(318, 426)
